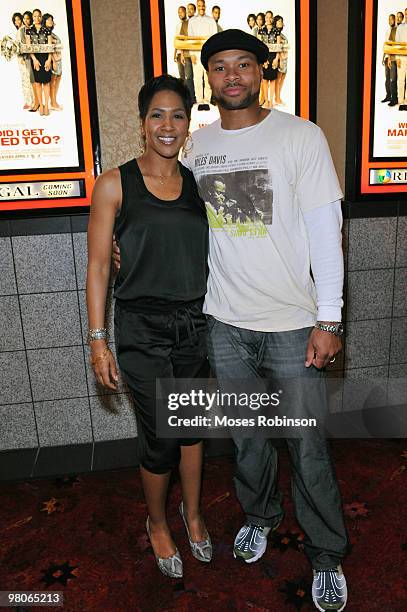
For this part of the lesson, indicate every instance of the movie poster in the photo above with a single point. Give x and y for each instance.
(183, 45)
(44, 120)
(390, 99)
(381, 161)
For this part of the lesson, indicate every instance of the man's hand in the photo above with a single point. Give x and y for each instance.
(115, 255)
(193, 59)
(398, 62)
(182, 58)
(321, 348)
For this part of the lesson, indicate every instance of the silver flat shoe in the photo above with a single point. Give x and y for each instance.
(201, 550)
(169, 566)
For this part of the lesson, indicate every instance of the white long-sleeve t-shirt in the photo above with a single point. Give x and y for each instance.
(272, 199)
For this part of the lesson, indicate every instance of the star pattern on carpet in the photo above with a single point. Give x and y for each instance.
(297, 593)
(53, 505)
(355, 509)
(218, 499)
(60, 546)
(180, 588)
(59, 573)
(193, 589)
(268, 570)
(398, 472)
(249, 605)
(17, 524)
(222, 549)
(67, 481)
(287, 539)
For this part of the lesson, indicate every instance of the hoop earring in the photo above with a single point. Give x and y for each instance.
(188, 145)
(141, 139)
(142, 145)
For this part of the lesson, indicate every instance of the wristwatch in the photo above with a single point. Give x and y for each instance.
(333, 328)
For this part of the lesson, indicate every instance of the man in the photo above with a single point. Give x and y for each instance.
(191, 10)
(216, 16)
(261, 303)
(401, 37)
(183, 58)
(390, 65)
(266, 317)
(205, 26)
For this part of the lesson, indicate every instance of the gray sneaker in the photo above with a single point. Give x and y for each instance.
(251, 543)
(329, 590)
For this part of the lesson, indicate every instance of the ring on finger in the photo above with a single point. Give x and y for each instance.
(332, 360)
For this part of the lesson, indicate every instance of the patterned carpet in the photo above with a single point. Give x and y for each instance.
(84, 535)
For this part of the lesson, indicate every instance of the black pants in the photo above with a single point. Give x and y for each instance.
(186, 74)
(159, 345)
(391, 82)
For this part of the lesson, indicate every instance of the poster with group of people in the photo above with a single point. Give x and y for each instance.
(390, 102)
(45, 133)
(188, 25)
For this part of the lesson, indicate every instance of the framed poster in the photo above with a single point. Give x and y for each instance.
(49, 144)
(377, 101)
(166, 34)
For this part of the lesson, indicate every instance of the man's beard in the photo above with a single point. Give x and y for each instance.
(238, 104)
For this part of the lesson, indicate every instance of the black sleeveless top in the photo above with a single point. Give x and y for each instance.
(163, 244)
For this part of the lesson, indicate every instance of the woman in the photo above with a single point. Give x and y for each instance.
(251, 22)
(159, 220)
(48, 22)
(260, 20)
(18, 22)
(282, 58)
(41, 62)
(28, 22)
(267, 34)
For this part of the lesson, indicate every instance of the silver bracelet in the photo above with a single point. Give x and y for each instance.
(97, 334)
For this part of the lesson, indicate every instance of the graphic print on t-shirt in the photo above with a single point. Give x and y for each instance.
(238, 194)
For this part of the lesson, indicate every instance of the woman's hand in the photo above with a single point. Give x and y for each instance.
(103, 364)
(47, 65)
(36, 64)
(274, 64)
(106, 201)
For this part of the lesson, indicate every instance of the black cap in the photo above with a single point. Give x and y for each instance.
(233, 39)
